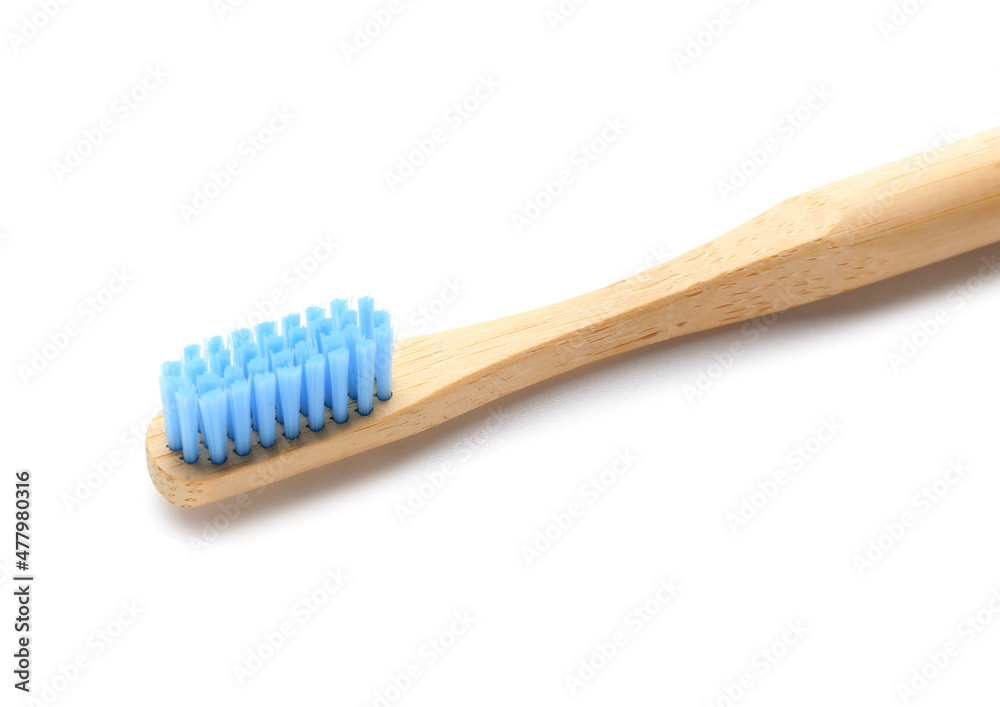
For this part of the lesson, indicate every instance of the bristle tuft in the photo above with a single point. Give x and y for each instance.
(383, 361)
(366, 376)
(168, 392)
(212, 405)
(315, 381)
(289, 387)
(239, 408)
(187, 416)
(338, 363)
(264, 391)
(253, 380)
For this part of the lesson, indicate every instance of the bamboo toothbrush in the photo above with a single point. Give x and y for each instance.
(851, 233)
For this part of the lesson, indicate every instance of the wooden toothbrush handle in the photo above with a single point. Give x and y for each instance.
(846, 235)
(840, 237)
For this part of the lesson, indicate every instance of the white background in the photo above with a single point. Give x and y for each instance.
(206, 598)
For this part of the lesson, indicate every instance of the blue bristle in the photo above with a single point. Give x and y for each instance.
(383, 361)
(263, 378)
(248, 352)
(239, 338)
(213, 415)
(315, 382)
(366, 376)
(168, 392)
(239, 415)
(329, 343)
(221, 361)
(303, 350)
(187, 418)
(289, 387)
(194, 367)
(273, 345)
(232, 375)
(264, 390)
(207, 382)
(261, 333)
(338, 312)
(204, 383)
(213, 345)
(318, 328)
(297, 334)
(285, 357)
(289, 322)
(255, 368)
(337, 362)
(366, 317)
(258, 365)
(313, 313)
(351, 336)
(312, 330)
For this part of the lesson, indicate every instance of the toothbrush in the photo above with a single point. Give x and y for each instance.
(830, 240)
